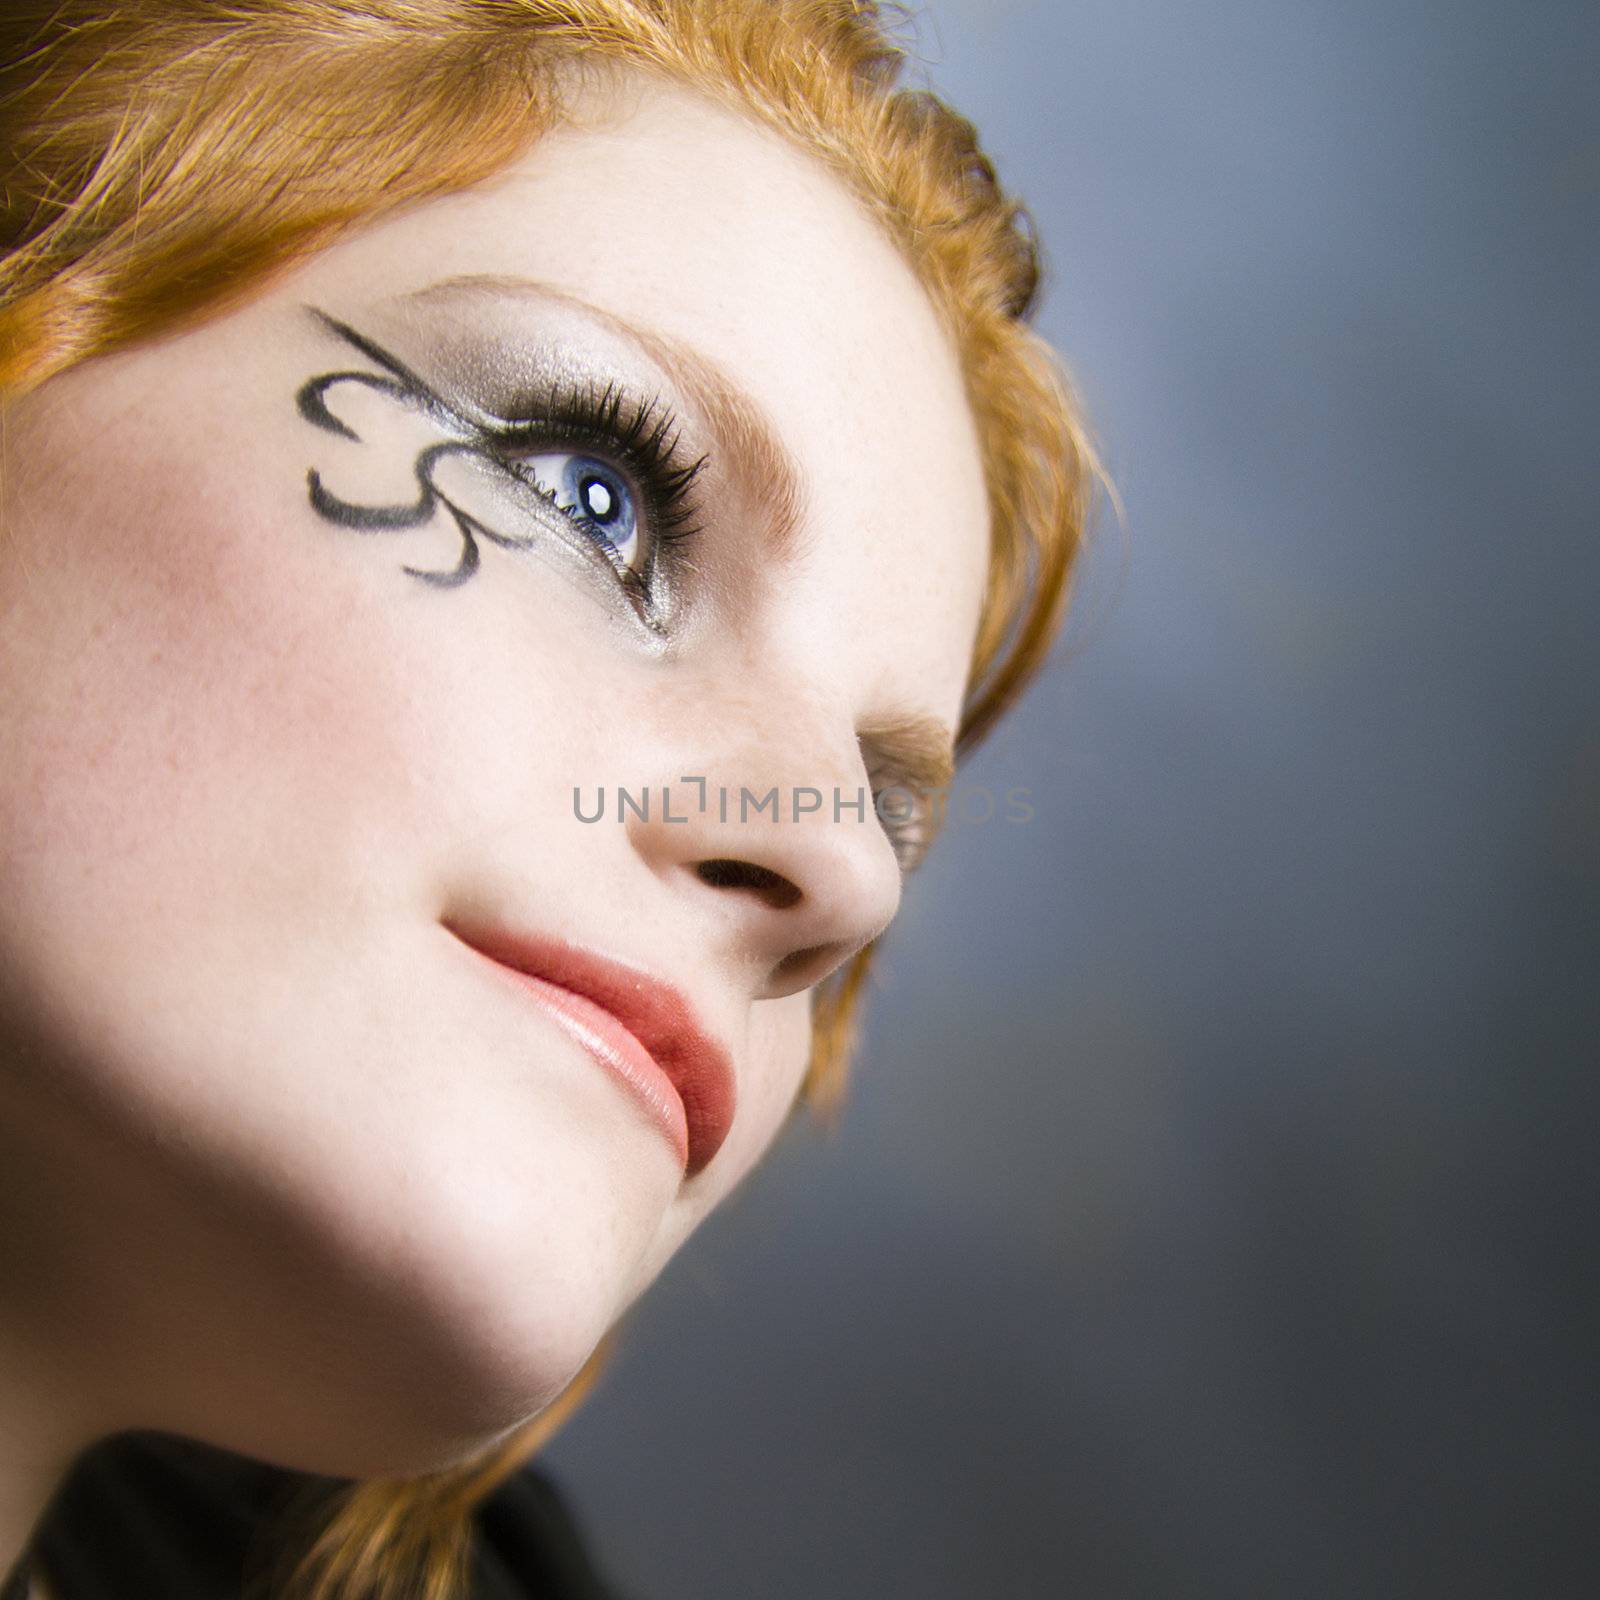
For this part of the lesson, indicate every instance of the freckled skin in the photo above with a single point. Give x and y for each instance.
(285, 1170)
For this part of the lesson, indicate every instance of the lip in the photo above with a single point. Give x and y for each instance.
(639, 1027)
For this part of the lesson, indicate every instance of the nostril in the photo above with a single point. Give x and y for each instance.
(723, 872)
(800, 968)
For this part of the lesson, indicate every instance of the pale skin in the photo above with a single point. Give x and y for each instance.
(280, 1168)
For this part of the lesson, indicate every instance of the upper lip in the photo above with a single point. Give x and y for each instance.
(652, 1010)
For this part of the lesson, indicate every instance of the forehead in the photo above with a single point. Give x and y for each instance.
(692, 222)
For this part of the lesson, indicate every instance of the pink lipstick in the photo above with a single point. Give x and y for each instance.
(638, 1027)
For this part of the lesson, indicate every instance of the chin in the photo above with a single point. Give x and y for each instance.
(400, 1379)
(403, 1319)
(487, 1297)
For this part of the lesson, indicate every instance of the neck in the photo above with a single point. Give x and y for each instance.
(45, 1405)
(37, 1447)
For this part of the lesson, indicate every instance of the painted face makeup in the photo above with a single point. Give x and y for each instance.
(315, 612)
(621, 492)
(588, 465)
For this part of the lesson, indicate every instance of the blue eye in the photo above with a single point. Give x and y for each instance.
(595, 495)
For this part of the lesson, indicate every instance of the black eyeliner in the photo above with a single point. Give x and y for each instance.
(640, 436)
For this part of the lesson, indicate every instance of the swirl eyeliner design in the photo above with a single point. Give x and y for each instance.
(645, 437)
(406, 387)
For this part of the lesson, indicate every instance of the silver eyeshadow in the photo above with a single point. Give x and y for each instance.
(500, 360)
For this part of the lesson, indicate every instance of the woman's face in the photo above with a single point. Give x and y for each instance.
(292, 1165)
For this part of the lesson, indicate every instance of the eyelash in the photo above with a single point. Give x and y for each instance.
(911, 837)
(642, 437)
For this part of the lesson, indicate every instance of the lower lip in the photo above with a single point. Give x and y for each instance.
(615, 1048)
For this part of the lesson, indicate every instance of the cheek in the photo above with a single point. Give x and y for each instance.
(774, 1054)
(237, 751)
(179, 683)
(210, 690)
(780, 1046)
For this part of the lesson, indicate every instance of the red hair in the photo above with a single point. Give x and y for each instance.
(163, 158)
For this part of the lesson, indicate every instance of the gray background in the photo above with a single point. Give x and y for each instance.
(1212, 1216)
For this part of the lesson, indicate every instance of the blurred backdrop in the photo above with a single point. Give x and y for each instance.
(1212, 1215)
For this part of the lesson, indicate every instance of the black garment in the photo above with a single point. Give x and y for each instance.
(150, 1516)
(15, 1586)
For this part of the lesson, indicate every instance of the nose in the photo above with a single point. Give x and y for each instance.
(775, 843)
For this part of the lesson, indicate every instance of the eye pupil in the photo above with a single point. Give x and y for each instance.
(597, 494)
(597, 498)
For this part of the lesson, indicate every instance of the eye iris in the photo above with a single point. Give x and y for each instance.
(595, 495)
(600, 496)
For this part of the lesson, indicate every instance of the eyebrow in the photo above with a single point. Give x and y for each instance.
(760, 462)
(910, 748)
(917, 750)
